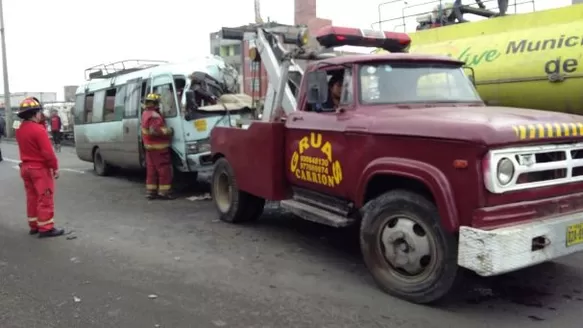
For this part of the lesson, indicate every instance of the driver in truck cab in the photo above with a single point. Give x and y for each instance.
(334, 93)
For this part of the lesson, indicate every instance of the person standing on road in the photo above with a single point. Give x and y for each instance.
(2, 134)
(156, 137)
(38, 168)
(55, 125)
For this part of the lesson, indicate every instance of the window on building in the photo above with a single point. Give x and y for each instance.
(254, 85)
(254, 66)
(217, 51)
(224, 51)
(237, 50)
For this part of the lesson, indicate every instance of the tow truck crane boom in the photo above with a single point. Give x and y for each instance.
(267, 44)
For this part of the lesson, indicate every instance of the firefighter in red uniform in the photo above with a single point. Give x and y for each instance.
(38, 168)
(156, 137)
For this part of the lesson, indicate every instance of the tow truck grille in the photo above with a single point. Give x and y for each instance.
(538, 166)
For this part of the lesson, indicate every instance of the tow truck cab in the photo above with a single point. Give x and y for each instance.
(435, 179)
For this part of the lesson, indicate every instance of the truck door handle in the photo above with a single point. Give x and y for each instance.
(297, 118)
(126, 129)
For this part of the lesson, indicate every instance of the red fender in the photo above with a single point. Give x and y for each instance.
(429, 175)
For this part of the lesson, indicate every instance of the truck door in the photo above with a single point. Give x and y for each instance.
(316, 152)
(163, 85)
(131, 142)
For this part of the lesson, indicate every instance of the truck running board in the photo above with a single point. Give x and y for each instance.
(315, 214)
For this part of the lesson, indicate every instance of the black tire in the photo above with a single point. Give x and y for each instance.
(391, 212)
(234, 205)
(100, 166)
(181, 181)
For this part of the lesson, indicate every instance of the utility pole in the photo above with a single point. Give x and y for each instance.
(7, 106)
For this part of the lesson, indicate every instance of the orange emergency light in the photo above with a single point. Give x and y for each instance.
(332, 36)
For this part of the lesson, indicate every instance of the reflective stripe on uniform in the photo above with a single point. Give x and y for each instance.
(151, 187)
(156, 146)
(32, 219)
(44, 223)
(164, 187)
(152, 131)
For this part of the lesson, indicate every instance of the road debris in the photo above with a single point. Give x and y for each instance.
(205, 196)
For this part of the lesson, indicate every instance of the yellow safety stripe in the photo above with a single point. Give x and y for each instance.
(152, 132)
(151, 187)
(42, 224)
(157, 146)
(548, 130)
(164, 187)
(32, 220)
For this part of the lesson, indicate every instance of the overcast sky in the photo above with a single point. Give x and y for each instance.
(51, 42)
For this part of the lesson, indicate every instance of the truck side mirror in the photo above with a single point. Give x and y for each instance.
(470, 74)
(317, 87)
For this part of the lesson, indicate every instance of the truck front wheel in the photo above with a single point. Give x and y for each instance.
(405, 248)
(234, 205)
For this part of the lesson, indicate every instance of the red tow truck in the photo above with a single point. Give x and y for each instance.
(436, 180)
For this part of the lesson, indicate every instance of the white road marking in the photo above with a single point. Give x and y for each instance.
(10, 160)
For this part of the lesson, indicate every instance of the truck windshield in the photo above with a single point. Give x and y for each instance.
(414, 82)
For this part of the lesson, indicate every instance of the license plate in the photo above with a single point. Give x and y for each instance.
(574, 234)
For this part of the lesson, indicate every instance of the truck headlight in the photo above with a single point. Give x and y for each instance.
(197, 147)
(505, 171)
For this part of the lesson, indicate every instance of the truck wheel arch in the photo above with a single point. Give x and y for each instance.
(428, 175)
(216, 157)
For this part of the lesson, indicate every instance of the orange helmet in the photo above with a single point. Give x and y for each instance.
(29, 104)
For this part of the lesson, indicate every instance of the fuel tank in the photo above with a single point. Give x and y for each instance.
(532, 60)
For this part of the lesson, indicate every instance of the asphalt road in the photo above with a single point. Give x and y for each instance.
(133, 263)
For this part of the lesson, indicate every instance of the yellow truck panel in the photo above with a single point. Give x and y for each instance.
(529, 60)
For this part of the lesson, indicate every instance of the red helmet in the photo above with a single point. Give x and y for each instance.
(29, 104)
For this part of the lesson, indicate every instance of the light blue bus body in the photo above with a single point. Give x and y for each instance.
(108, 110)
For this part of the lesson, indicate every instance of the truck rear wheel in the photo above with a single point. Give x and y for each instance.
(405, 248)
(234, 205)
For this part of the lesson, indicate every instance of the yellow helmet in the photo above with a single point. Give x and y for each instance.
(29, 104)
(153, 97)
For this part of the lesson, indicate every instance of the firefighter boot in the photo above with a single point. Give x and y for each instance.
(1, 159)
(151, 195)
(54, 232)
(166, 196)
(32, 231)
